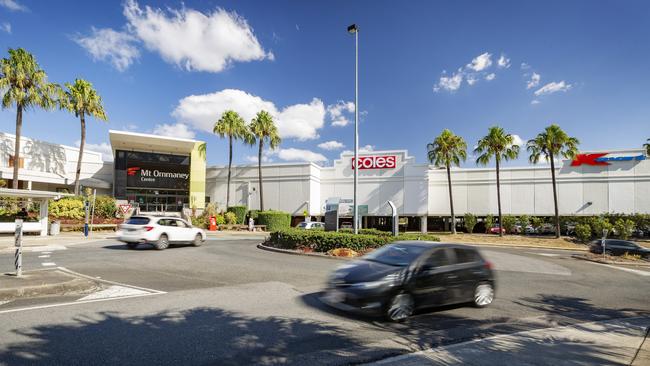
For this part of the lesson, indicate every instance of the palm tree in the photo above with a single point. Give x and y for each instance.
(500, 145)
(263, 128)
(445, 150)
(24, 86)
(232, 126)
(647, 147)
(551, 144)
(81, 99)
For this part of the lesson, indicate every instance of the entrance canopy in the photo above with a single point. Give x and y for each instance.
(132, 141)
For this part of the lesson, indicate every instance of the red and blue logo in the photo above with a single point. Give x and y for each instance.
(603, 159)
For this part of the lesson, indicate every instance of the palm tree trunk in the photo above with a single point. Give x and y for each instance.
(259, 171)
(557, 214)
(451, 202)
(229, 167)
(19, 127)
(81, 152)
(499, 200)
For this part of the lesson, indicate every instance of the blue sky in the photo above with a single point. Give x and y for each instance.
(172, 67)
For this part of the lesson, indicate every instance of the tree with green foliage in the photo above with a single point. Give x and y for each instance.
(446, 150)
(583, 232)
(501, 146)
(489, 222)
(83, 100)
(233, 127)
(624, 228)
(24, 86)
(470, 222)
(263, 128)
(647, 147)
(509, 223)
(551, 144)
(524, 220)
(536, 222)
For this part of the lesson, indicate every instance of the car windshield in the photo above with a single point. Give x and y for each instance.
(396, 254)
(137, 221)
(302, 225)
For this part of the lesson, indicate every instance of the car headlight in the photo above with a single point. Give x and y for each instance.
(390, 280)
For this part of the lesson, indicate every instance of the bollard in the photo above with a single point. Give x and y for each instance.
(18, 262)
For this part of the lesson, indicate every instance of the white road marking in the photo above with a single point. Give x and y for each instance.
(546, 254)
(46, 252)
(114, 292)
(48, 264)
(45, 249)
(5, 302)
(44, 256)
(75, 303)
(635, 271)
(110, 282)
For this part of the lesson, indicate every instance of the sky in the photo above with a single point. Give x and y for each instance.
(171, 68)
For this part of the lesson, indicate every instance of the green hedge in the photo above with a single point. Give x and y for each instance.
(240, 213)
(105, 207)
(67, 208)
(323, 241)
(274, 220)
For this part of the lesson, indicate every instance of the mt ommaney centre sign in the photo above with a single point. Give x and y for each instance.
(156, 177)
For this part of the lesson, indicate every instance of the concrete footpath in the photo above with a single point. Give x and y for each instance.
(43, 283)
(33, 243)
(612, 342)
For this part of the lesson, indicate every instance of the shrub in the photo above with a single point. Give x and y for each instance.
(624, 228)
(200, 221)
(274, 220)
(253, 214)
(524, 220)
(372, 232)
(598, 224)
(324, 241)
(509, 223)
(210, 210)
(231, 218)
(67, 208)
(240, 213)
(489, 222)
(583, 232)
(536, 222)
(470, 222)
(105, 207)
(220, 219)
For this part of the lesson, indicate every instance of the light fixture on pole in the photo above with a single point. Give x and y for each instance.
(353, 29)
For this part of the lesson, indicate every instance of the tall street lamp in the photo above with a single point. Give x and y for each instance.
(353, 29)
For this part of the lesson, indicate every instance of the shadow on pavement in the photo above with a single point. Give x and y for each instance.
(143, 247)
(197, 336)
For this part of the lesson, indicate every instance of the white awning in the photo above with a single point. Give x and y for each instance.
(25, 193)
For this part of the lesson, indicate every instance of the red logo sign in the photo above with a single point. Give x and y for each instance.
(132, 171)
(589, 159)
(376, 162)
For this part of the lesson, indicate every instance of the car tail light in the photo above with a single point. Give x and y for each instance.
(148, 228)
(488, 265)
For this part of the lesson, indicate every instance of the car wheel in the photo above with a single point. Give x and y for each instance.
(162, 243)
(483, 294)
(401, 306)
(131, 245)
(198, 240)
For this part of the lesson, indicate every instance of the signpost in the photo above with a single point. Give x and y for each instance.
(605, 231)
(395, 218)
(18, 262)
(332, 214)
(86, 209)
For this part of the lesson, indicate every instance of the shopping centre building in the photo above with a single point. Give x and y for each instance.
(167, 174)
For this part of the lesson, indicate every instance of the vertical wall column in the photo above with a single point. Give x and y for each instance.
(43, 216)
(423, 224)
(197, 176)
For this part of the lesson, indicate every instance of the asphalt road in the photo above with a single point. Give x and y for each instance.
(228, 302)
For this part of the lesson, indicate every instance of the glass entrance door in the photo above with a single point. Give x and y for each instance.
(158, 200)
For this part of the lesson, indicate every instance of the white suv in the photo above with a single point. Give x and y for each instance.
(159, 231)
(307, 225)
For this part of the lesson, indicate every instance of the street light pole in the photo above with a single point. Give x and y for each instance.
(354, 30)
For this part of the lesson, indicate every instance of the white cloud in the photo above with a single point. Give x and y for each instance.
(534, 81)
(481, 62)
(106, 44)
(449, 83)
(253, 158)
(194, 40)
(471, 80)
(293, 154)
(13, 5)
(331, 145)
(534, 101)
(490, 77)
(553, 87)
(362, 149)
(178, 130)
(300, 121)
(104, 148)
(517, 140)
(503, 61)
(525, 66)
(337, 113)
(5, 27)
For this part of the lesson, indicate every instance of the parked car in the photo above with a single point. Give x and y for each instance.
(547, 229)
(346, 225)
(618, 247)
(530, 230)
(307, 225)
(400, 278)
(496, 229)
(159, 231)
(640, 233)
(517, 229)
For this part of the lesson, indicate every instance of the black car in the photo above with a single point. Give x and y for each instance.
(618, 247)
(399, 278)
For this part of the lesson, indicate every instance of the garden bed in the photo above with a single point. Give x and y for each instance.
(610, 259)
(319, 241)
(514, 240)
